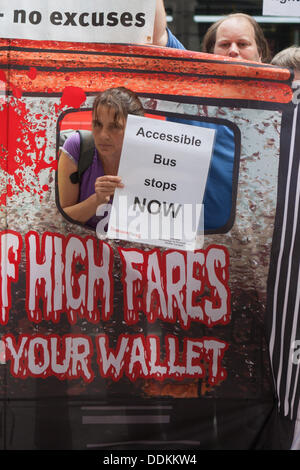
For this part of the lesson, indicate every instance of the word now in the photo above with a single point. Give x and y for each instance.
(154, 207)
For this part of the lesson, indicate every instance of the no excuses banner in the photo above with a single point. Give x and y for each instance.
(130, 22)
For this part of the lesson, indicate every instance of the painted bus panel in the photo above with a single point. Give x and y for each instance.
(111, 344)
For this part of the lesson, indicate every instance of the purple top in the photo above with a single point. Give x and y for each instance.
(87, 186)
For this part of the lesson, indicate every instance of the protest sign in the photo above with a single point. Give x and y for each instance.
(281, 7)
(164, 167)
(78, 22)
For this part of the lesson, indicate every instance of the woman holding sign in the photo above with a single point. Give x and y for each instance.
(109, 114)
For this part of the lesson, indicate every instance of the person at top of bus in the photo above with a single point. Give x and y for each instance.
(237, 36)
(289, 58)
(79, 201)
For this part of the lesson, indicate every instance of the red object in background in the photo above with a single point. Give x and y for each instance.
(77, 120)
(83, 119)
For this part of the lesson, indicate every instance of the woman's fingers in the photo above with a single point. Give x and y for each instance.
(107, 183)
(105, 186)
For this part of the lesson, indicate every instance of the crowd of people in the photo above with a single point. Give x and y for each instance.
(237, 36)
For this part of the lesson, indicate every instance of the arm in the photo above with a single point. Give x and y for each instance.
(69, 193)
(160, 35)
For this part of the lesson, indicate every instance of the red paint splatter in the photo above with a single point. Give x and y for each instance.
(2, 76)
(53, 165)
(22, 148)
(9, 190)
(73, 97)
(152, 104)
(3, 199)
(32, 73)
(17, 92)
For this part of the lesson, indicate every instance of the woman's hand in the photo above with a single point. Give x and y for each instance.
(105, 187)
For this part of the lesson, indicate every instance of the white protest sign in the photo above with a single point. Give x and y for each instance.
(281, 7)
(78, 21)
(164, 167)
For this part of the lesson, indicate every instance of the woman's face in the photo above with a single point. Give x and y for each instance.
(108, 133)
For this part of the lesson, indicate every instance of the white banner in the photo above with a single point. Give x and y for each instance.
(281, 7)
(164, 168)
(79, 21)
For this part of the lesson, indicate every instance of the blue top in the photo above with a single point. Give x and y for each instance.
(217, 199)
(173, 41)
(218, 193)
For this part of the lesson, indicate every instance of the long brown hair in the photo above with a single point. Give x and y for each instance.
(122, 100)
